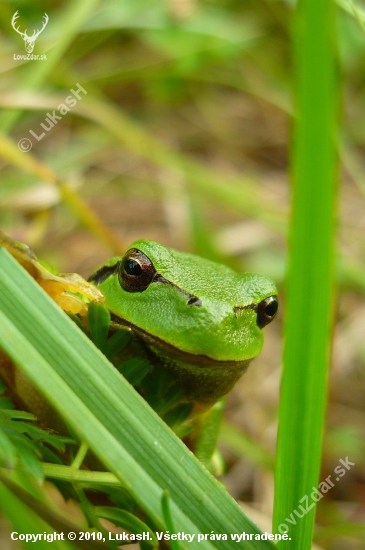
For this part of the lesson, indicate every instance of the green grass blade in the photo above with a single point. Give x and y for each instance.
(108, 414)
(309, 304)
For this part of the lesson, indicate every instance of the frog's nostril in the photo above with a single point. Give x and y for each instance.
(194, 301)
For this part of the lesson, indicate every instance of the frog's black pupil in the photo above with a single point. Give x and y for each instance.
(271, 308)
(132, 267)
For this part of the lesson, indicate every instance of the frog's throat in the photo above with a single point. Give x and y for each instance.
(202, 378)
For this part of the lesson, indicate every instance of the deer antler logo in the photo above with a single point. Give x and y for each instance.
(29, 40)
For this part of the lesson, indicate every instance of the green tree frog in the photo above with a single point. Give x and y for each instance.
(201, 320)
(197, 325)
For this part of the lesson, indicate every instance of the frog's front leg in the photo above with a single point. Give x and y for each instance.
(204, 437)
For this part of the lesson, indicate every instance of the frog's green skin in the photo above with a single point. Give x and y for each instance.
(200, 318)
(198, 324)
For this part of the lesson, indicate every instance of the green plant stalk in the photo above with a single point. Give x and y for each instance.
(107, 413)
(310, 280)
(69, 473)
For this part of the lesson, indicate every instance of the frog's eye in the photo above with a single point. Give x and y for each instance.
(266, 311)
(135, 271)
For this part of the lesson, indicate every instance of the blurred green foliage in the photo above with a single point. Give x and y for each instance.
(183, 137)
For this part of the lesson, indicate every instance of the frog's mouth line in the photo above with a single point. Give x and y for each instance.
(168, 350)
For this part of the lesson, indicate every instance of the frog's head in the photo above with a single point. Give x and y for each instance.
(188, 304)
